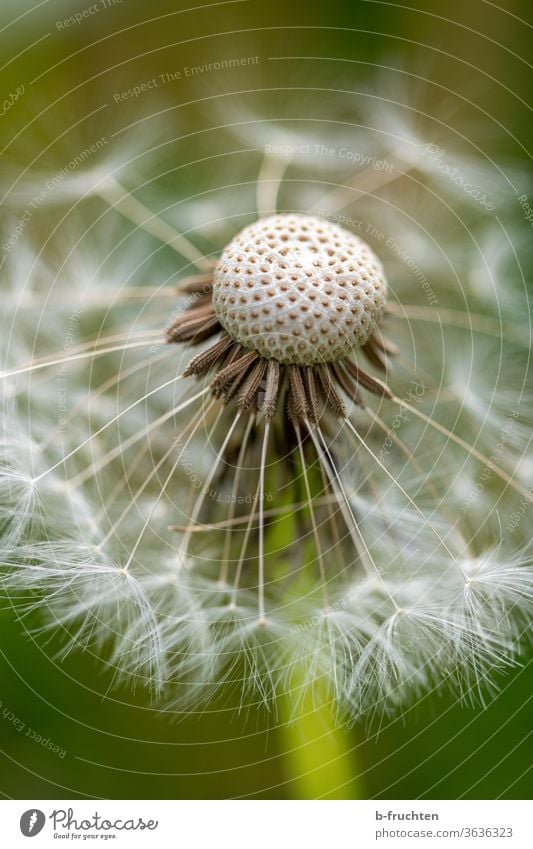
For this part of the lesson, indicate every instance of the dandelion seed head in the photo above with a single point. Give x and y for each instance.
(299, 289)
(349, 548)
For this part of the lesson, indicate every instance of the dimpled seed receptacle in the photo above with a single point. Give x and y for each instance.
(299, 289)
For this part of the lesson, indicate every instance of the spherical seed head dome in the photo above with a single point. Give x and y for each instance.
(299, 289)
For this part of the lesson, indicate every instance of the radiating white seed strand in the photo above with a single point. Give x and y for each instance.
(224, 564)
(261, 565)
(205, 489)
(124, 202)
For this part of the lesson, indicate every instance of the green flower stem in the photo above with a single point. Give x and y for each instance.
(318, 754)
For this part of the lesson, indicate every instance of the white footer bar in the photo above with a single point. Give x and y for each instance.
(266, 824)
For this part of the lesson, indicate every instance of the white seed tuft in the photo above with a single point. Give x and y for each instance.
(299, 289)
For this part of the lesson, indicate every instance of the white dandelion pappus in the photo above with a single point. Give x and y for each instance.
(301, 437)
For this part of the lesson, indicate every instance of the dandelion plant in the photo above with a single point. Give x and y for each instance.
(271, 453)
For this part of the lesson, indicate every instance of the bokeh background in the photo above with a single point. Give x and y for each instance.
(462, 62)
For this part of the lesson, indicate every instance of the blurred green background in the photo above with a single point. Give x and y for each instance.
(112, 742)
